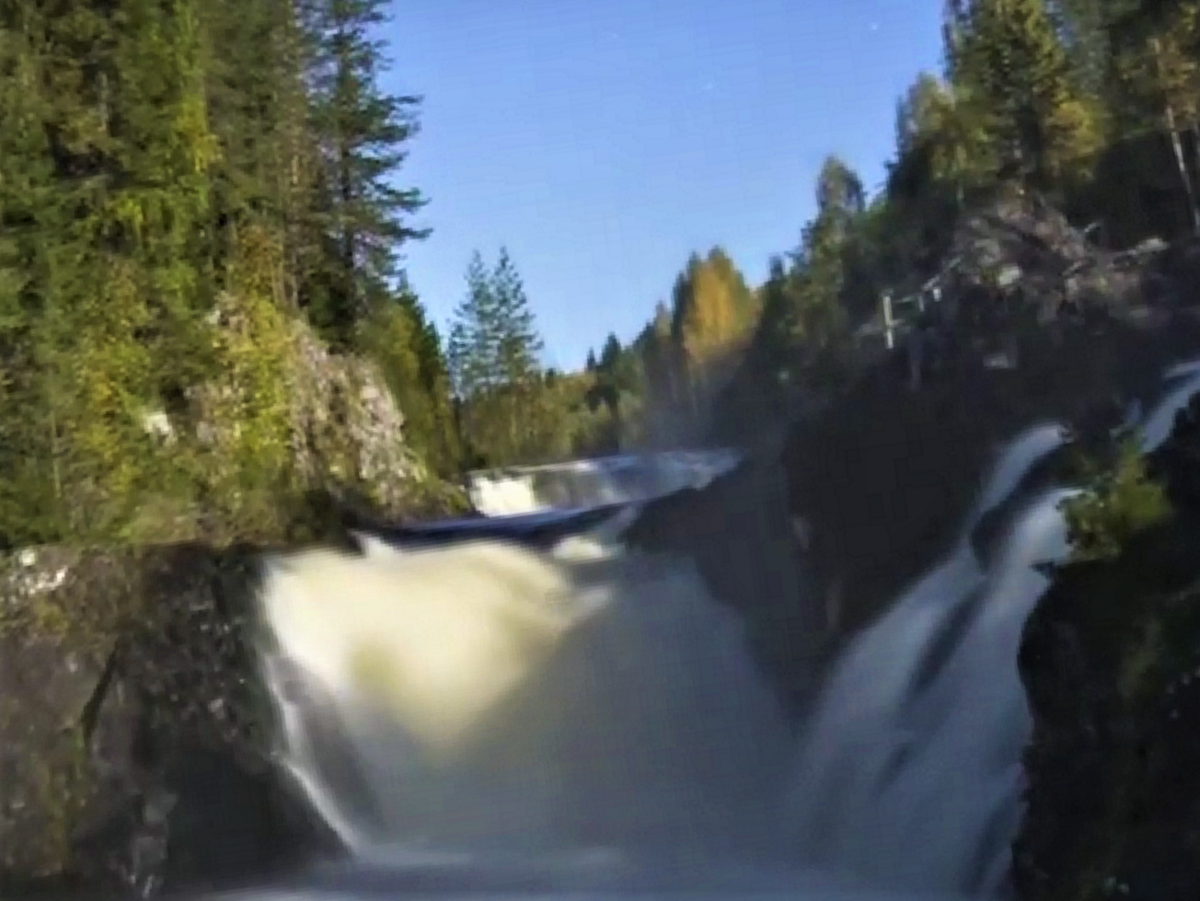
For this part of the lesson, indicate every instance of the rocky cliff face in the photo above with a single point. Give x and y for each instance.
(135, 738)
(1111, 664)
(328, 421)
(882, 475)
(885, 476)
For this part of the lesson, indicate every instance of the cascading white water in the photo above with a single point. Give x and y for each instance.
(880, 789)
(494, 702)
(480, 708)
(576, 484)
(909, 771)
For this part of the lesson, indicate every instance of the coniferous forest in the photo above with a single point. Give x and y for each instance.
(183, 183)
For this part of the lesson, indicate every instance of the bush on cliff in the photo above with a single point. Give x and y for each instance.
(1111, 668)
(1116, 503)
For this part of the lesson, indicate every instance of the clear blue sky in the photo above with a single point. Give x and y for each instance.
(604, 140)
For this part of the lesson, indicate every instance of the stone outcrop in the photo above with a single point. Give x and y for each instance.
(883, 475)
(1110, 660)
(748, 549)
(341, 427)
(1052, 261)
(135, 736)
(347, 428)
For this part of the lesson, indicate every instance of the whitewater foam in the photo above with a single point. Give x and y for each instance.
(494, 703)
(909, 772)
(336, 614)
(618, 479)
(497, 697)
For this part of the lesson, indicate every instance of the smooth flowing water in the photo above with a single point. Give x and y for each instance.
(484, 718)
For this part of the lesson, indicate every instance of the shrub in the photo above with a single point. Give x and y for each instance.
(1117, 502)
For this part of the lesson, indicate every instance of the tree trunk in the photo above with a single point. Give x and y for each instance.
(1177, 145)
(1181, 164)
(1195, 132)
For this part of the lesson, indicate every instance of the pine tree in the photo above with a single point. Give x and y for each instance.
(520, 346)
(473, 336)
(494, 355)
(1006, 57)
(106, 220)
(1158, 71)
(1084, 28)
(362, 138)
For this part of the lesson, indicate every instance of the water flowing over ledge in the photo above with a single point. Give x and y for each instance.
(597, 482)
(496, 713)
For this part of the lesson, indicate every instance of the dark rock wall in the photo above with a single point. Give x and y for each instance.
(134, 732)
(1110, 660)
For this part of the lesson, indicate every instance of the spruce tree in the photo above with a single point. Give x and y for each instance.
(362, 136)
(494, 355)
(1007, 57)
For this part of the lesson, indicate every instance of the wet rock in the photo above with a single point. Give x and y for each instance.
(884, 475)
(1110, 660)
(748, 549)
(135, 736)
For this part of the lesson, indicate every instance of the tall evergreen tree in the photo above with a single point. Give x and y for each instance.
(1157, 61)
(362, 137)
(494, 355)
(520, 346)
(1007, 57)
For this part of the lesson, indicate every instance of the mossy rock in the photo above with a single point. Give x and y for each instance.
(1110, 660)
(132, 711)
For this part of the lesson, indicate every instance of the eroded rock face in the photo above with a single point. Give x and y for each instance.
(883, 473)
(1110, 660)
(347, 428)
(886, 476)
(342, 427)
(1055, 261)
(748, 549)
(135, 740)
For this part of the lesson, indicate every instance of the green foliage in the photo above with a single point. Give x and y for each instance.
(493, 342)
(243, 458)
(178, 180)
(494, 356)
(1116, 503)
(807, 300)
(360, 137)
(407, 349)
(162, 163)
(1015, 74)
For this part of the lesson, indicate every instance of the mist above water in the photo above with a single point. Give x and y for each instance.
(497, 699)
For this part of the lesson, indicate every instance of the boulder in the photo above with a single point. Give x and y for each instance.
(136, 739)
(1021, 242)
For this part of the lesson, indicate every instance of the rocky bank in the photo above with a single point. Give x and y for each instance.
(881, 476)
(1110, 660)
(135, 738)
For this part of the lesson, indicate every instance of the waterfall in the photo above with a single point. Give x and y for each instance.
(576, 484)
(909, 772)
(500, 699)
(493, 715)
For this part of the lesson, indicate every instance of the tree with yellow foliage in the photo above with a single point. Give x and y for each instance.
(1006, 60)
